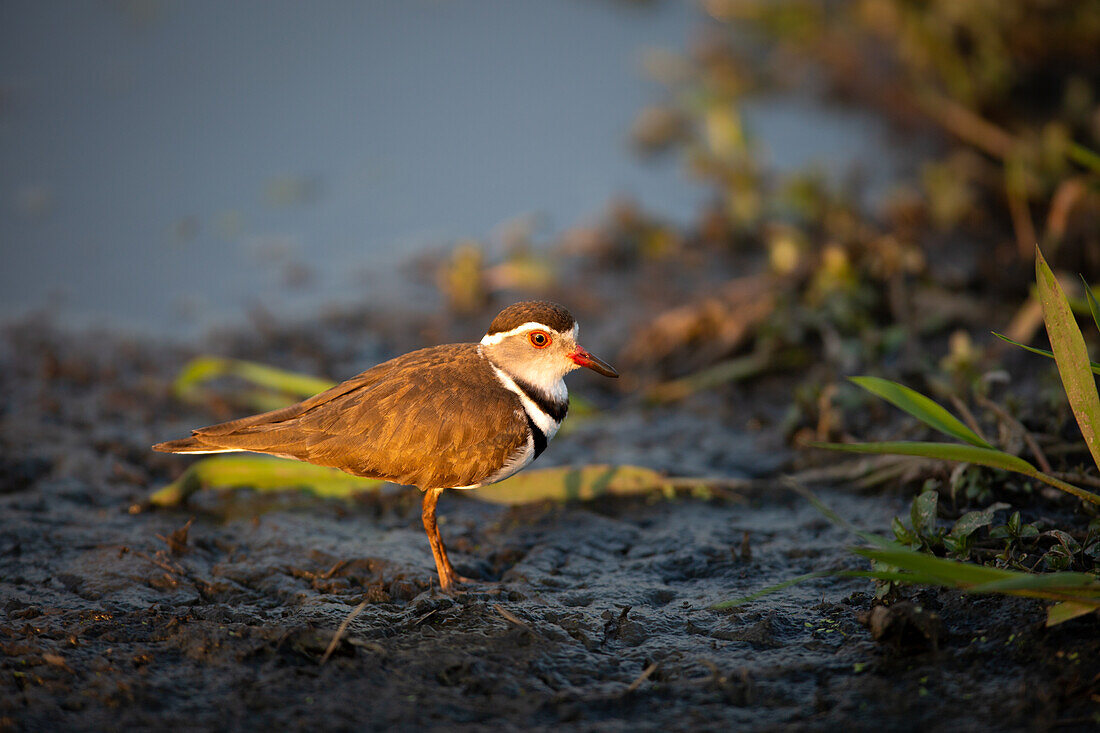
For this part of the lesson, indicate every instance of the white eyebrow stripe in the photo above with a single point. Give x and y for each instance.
(495, 338)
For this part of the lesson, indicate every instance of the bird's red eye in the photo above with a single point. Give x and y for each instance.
(539, 339)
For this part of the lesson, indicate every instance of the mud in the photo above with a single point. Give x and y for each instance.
(583, 617)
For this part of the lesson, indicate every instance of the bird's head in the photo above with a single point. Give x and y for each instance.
(537, 342)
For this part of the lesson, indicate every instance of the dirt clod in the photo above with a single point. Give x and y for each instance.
(906, 626)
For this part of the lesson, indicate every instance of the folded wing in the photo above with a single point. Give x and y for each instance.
(434, 418)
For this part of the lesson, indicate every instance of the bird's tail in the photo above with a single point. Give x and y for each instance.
(191, 445)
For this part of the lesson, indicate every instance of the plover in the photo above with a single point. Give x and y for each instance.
(455, 416)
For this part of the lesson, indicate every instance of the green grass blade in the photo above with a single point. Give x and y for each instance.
(1041, 352)
(985, 579)
(1093, 305)
(964, 454)
(949, 572)
(187, 385)
(571, 483)
(1067, 610)
(262, 474)
(1083, 156)
(734, 602)
(1070, 353)
(1078, 593)
(1084, 585)
(732, 370)
(924, 409)
(893, 576)
(299, 385)
(942, 451)
(868, 537)
(582, 483)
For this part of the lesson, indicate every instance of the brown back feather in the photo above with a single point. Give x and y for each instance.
(433, 418)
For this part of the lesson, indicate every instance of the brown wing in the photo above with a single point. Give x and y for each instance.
(434, 418)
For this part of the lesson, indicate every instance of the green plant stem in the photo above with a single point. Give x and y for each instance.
(1066, 487)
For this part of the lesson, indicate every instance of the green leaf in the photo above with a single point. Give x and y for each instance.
(902, 533)
(1093, 305)
(1070, 353)
(1056, 558)
(957, 546)
(1041, 352)
(922, 512)
(970, 522)
(1065, 539)
(920, 407)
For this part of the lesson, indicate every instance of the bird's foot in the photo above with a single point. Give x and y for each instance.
(450, 581)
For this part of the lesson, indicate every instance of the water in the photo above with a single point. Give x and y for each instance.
(165, 166)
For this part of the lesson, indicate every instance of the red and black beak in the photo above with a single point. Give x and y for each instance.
(584, 359)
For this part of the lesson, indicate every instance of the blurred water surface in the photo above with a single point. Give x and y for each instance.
(164, 165)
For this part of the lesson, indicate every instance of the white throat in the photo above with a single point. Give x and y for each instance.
(551, 382)
(545, 422)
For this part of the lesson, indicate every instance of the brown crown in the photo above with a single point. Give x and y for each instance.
(538, 311)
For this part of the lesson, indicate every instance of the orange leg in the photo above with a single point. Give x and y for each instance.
(447, 576)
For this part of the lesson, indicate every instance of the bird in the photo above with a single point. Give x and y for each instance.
(452, 416)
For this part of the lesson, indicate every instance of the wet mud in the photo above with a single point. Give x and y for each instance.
(590, 616)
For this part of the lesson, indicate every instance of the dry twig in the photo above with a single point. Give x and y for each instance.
(341, 629)
(642, 678)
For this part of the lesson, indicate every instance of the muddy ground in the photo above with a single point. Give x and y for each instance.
(589, 617)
